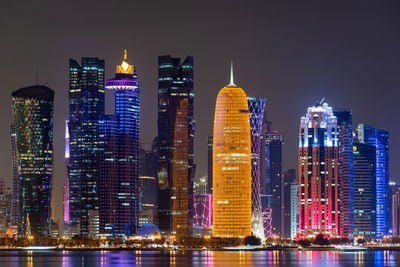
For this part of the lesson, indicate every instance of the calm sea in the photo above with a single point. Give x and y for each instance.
(198, 258)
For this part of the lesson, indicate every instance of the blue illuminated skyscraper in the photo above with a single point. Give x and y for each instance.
(380, 139)
(175, 145)
(119, 157)
(256, 113)
(86, 105)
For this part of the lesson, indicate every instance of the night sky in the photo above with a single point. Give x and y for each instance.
(293, 53)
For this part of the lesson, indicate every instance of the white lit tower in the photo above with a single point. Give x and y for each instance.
(256, 113)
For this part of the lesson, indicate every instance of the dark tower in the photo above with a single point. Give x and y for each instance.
(86, 105)
(346, 172)
(33, 120)
(175, 144)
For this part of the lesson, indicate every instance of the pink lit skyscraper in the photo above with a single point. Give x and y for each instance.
(318, 172)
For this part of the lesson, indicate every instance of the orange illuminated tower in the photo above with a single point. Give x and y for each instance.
(231, 164)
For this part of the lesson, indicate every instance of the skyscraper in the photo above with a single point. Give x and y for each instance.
(231, 164)
(288, 177)
(364, 190)
(202, 212)
(148, 201)
(256, 114)
(3, 208)
(119, 157)
(346, 169)
(380, 139)
(16, 195)
(175, 145)
(273, 178)
(33, 119)
(318, 172)
(294, 208)
(396, 214)
(86, 105)
(393, 188)
(209, 164)
(66, 185)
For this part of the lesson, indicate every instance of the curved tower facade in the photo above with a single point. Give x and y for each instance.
(33, 117)
(231, 164)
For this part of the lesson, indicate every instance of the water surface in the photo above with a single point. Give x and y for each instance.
(198, 258)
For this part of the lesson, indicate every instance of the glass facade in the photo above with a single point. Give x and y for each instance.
(15, 208)
(148, 189)
(380, 139)
(256, 114)
(33, 120)
(209, 164)
(86, 105)
(119, 157)
(346, 172)
(318, 172)
(273, 179)
(176, 124)
(289, 178)
(231, 164)
(364, 190)
(3, 208)
(294, 208)
(202, 210)
(396, 213)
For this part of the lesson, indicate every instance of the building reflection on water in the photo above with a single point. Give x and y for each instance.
(198, 258)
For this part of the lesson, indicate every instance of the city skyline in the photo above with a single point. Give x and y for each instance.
(285, 64)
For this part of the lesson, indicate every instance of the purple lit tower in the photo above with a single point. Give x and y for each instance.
(66, 186)
(203, 210)
(119, 156)
(256, 113)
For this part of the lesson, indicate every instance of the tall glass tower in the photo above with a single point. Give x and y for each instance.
(231, 164)
(364, 190)
(86, 105)
(209, 164)
(33, 119)
(380, 139)
(318, 172)
(15, 206)
(119, 157)
(346, 172)
(289, 178)
(273, 199)
(175, 145)
(256, 113)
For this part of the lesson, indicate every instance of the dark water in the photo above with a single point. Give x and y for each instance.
(198, 258)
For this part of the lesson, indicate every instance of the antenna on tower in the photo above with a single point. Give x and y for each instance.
(231, 82)
(322, 100)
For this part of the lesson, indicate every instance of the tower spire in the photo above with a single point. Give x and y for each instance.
(125, 54)
(231, 82)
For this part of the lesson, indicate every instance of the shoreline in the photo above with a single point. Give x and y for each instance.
(208, 249)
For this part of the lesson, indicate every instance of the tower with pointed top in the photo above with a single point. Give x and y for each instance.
(119, 157)
(231, 163)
